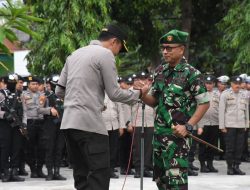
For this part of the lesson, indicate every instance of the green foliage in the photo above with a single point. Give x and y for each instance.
(15, 16)
(235, 26)
(146, 22)
(69, 25)
(131, 62)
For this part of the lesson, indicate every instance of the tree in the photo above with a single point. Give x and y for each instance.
(146, 22)
(69, 25)
(235, 27)
(15, 16)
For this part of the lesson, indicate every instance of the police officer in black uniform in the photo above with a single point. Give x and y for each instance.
(54, 138)
(19, 90)
(11, 129)
(34, 111)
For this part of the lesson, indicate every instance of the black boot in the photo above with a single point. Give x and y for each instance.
(137, 173)
(22, 170)
(230, 170)
(6, 175)
(192, 172)
(15, 177)
(192, 167)
(40, 173)
(57, 175)
(237, 170)
(211, 168)
(204, 168)
(33, 173)
(147, 173)
(50, 174)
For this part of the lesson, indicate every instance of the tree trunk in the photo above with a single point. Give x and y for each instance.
(186, 20)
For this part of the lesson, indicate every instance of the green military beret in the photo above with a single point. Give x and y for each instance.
(174, 37)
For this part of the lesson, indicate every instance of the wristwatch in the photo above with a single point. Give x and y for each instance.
(189, 127)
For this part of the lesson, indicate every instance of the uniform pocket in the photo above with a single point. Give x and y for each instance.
(231, 102)
(243, 105)
(98, 151)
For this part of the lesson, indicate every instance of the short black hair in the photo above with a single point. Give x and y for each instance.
(105, 36)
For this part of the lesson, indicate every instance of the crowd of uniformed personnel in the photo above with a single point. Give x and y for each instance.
(30, 133)
(31, 114)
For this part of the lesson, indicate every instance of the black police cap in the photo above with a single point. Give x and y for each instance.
(236, 79)
(116, 31)
(209, 78)
(33, 79)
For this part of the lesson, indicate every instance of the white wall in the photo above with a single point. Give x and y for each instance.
(20, 62)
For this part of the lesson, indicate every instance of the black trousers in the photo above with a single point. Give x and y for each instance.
(193, 147)
(5, 143)
(89, 156)
(222, 144)
(113, 146)
(234, 139)
(125, 144)
(210, 134)
(148, 148)
(35, 148)
(245, 153)
(16, 147)
(54, 143)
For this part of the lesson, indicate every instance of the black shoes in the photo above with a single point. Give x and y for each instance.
(147, 173)
(230, 171)
(192, 167)
(50, 176)
(113, 175)
(57, 175)
(123, 172)
(204, 168)
(22, 170)
(6, 175)
(192, 172)
(37, 173)
(211, 168)
(234, 170)
(15, 177)
(237, 170)
(11, 176)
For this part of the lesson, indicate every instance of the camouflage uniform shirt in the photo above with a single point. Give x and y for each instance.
(178, 90)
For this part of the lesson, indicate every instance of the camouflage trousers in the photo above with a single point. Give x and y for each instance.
(170, 160)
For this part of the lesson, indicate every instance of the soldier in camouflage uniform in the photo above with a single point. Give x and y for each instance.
(180, 99)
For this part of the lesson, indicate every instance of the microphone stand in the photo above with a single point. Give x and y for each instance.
(142, 146)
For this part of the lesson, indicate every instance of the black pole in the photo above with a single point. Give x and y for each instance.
(142, 146)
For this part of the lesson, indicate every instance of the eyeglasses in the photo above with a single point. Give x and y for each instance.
(168, 48)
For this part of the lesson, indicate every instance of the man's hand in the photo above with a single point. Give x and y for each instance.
(42, 99)
(23, 129)
(121, 131)
(180, 130)
(54, 112)
(144, 86)
(200, 131)
(224, 130)
(130, 128)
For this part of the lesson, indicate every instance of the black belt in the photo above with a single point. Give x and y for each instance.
(34, 121)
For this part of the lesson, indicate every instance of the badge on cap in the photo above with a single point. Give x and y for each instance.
(238, 79)
(30, 78)
(169, 38)
(105, 29)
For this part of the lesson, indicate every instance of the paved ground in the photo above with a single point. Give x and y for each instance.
(211, 181)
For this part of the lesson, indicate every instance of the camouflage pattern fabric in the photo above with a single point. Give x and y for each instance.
(178, 91)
